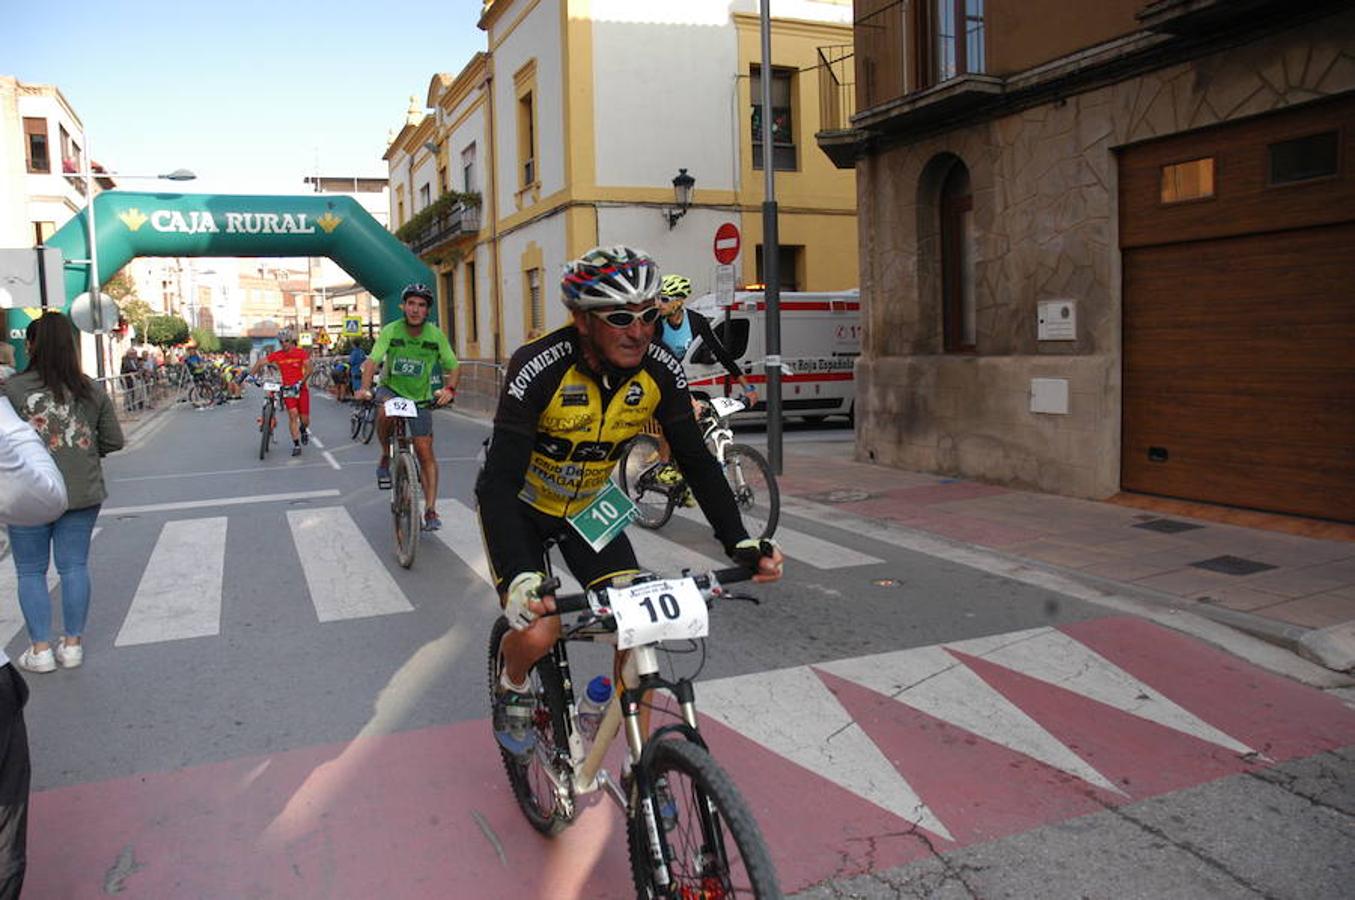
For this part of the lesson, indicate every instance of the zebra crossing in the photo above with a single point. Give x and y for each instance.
(346, 569)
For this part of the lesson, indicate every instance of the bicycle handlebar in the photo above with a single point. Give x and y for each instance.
(709, 583)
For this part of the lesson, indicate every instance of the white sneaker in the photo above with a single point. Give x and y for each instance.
(69, 655)
(32, 661)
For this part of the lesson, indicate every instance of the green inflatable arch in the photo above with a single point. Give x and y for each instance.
(132, 224)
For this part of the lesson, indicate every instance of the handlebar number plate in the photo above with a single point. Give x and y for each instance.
(402, 407)
(272, 386)
(655, 611)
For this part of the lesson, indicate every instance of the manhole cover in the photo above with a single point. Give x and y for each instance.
(842, 495)
(887, 582)
(1167, 526)
(1232, 565)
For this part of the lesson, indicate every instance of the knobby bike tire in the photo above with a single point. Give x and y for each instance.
(405, 506)
(532, 786)
(715, 848)
(200, 395)
(355, 423)
(266, 424)
(754, 485)
(653, 506)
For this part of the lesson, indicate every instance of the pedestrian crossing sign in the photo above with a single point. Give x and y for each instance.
(306, 339)
(352, 325)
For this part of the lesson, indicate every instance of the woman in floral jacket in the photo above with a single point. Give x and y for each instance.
(76, 420)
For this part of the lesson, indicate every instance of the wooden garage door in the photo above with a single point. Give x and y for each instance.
(1239, 322)
(1239, 371)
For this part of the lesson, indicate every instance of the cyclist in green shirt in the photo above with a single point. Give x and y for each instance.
(407, 350)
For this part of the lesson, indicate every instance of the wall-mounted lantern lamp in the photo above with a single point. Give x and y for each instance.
(683, 185)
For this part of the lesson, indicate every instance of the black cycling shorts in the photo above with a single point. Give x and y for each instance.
(591, 567)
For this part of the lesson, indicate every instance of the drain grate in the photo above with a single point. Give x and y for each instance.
(1232, 565)
(1167, 526)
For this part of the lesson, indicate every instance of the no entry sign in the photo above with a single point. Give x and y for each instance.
(726, 244)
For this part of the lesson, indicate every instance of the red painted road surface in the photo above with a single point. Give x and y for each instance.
(408, 815)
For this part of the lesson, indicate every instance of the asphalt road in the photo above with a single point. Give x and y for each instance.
(252, 612)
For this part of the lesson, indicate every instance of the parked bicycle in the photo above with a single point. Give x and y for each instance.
(406, 484)
(689, 831)
(747, 471)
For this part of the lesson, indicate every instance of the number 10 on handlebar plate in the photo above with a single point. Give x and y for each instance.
(604, 518)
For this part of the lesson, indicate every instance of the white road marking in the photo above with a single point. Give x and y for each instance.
(791, 712)
(251, 471)
(797, 545)
(658, 554)
(180, 592)
(1055, 658)
(932, 681)
(345, 577)
(329, 458)
(221, 501)
(460, 532)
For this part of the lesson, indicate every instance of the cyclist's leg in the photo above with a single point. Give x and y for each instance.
(293, 417)
(428, 472)
(521, 649)
(304, 408)
(383, 425)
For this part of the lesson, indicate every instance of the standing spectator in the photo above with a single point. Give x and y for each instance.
(31, 492)
(356, 357)
(130, 371)
(76, 420)
(148, 374)
(6, 361)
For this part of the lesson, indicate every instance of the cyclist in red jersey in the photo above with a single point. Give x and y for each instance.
(294, 364)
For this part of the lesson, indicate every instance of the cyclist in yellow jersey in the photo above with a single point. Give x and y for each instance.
(571, 399)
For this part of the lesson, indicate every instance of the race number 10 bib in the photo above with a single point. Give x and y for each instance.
(658, 611)
(604, 518)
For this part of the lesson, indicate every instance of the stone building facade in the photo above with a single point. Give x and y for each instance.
(1042, 149)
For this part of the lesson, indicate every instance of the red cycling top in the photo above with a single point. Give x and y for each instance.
(291, 363)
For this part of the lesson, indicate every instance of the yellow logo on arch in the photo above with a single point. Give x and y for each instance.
(133, 218)
(329, 222)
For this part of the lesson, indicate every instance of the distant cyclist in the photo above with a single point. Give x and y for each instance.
(680, 327)
(294, 364)
(407, 350)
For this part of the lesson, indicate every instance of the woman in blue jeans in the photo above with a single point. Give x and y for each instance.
(76, 420)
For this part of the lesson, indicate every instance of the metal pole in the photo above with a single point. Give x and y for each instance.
(770, 252)
(95, 294)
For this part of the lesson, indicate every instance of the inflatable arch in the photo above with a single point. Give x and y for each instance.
(130, 224)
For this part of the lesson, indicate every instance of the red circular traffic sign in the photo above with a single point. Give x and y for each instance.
(726, 244)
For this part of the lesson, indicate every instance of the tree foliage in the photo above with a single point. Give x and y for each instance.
(164, 331)
(207, 339)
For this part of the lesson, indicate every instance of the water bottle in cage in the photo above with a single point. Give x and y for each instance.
(594, 705)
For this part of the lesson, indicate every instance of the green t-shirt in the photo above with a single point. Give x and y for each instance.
(407, 362)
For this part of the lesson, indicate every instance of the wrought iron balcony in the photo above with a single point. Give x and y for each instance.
(451, 217)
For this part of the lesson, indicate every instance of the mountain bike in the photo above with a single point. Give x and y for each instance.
(749, 474)
(362, 421)
(689, 831)
(268, 417)
(209, 388)
(406, 485)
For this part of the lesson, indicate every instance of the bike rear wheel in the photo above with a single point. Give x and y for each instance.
(639, 462)
(531, 781)
(200, 395)
(751, 479)
(713, 845)
(405, 506)
(267, 420)
(355, 424)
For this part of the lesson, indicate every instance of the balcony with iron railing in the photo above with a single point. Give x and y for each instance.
(453, 215)
(837, 104)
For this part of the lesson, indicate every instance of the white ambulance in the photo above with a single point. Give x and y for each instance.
(820, 340)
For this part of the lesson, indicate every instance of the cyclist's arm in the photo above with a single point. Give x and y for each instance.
(701, 328)
(496, 489)
(451, 367)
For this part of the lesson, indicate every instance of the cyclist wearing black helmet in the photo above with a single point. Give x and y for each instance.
(407, 350)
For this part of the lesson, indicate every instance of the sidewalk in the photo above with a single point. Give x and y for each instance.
(1294, 590)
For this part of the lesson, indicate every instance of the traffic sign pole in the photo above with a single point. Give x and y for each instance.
(771, 251)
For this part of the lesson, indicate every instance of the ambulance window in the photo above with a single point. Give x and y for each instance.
(736, 343)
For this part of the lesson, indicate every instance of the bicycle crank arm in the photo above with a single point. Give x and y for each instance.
(613, 788)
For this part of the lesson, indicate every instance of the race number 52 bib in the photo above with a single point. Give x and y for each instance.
(408, 367)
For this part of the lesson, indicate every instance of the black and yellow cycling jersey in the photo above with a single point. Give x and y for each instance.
(579, 425)
(559, 431)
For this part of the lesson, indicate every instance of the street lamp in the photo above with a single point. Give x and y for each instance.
(95, 286)
(683, 186)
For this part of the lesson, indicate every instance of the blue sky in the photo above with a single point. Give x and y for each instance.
(250, 95)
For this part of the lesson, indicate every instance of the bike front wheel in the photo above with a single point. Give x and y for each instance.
(639, 462)
(266, 425)
(531, 780)
(405, 506)
(712, 844)
(368, 427)
(751, 479)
